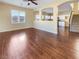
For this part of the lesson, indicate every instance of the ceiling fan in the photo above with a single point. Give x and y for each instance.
(32, 1)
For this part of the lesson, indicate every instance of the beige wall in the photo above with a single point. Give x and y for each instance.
(5, 18)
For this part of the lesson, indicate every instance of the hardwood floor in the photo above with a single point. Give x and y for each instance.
(37, 44)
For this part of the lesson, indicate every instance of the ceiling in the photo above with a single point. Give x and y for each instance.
(63, 7)
(21, 3)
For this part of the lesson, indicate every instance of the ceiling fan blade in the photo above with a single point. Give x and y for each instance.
(25, 0)
(34, 2)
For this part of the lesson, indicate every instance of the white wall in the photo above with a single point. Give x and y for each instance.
(49, 26)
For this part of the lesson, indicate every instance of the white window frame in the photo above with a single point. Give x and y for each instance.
(17, 14)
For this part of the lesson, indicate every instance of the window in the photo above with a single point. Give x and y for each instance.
(47, 17)
(37, 17)
(17, 17)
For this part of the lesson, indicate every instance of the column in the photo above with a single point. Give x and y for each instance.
(75, 6)
(40, 14)
(55, 13)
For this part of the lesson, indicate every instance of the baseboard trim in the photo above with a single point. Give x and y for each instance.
(15, 29)
(45, 30)
(24, 29)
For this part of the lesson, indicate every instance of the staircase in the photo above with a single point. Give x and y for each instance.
(74, 23)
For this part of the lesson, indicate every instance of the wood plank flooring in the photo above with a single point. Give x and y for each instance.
(36, 44)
